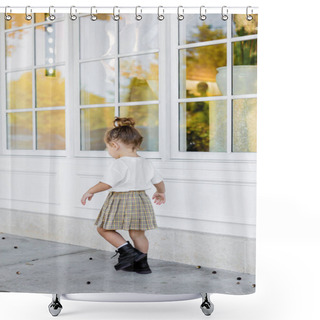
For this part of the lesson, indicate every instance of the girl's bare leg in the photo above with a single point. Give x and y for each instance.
(140, 240)
(112, 236)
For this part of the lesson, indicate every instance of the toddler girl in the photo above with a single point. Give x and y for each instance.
(127, 205)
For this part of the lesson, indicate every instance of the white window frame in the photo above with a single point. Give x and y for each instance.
(116, 104)
(198, 155)
(168, 95)
(33, 68)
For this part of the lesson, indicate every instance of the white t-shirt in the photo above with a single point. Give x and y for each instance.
(131, 173)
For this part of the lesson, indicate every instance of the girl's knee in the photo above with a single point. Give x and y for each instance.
(101, 230)
(136, 233)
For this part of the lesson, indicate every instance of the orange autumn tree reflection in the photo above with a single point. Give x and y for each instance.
(50, 92)
(143, 85)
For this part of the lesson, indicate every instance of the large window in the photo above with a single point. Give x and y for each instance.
(190, 85)
(217, 85)
(119, 63)
(35, 83)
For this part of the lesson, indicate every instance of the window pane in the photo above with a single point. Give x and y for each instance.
(242, 27)
(138, 35)
(245, 125)
(203, 126)
(192, 29)
(147, 123)
(94, 123)
(19, 49)
(97, 38)
(18, 20)
(19, 130)
(245, 67)
(50, 43)
(19, 90)
(50, 87)
(41, 17)
(50, 130)
(97, 82)
(139, 77)
(199, 69)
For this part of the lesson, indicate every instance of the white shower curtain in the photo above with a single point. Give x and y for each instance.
(190, 86)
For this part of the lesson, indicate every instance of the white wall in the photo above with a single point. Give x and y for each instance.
(213, 197)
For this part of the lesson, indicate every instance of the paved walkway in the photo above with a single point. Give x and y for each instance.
(39, 266)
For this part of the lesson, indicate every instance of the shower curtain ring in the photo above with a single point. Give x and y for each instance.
(73, 17)
(93, 17)
(28, 16)
(116, 17)
(249, 16)
(7, 16)
(224, 16)
(180, 16)
(51, 16)
(138, 16)
(160, 16)
(203, 15)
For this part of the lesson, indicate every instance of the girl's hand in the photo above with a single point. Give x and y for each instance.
(86, 196)
(159, 198)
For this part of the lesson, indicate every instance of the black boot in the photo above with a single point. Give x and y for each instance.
(128, 255)
(140, 266)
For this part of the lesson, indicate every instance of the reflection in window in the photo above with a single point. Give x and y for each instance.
(139, 77)
(94, 123)
(50, 87)
(242, 27)
(18, 20)
(50, 130)
(245, 125)
(19, 90)
(244, 67)
(192, 29)
(19, 49)
(97, 82)
(19, 130)
(41, 17)
(146, 122)
(203, 126)
(50, 46)
(198, 71)
(97, 38)
(136, 35)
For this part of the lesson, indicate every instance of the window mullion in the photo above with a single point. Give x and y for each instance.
(229, 86)
(75, 79)
(117, 65)
(34, 136)
(70, 105)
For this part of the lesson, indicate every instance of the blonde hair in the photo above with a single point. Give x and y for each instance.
(124, 131)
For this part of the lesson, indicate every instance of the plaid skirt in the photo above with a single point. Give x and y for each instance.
(130, 210)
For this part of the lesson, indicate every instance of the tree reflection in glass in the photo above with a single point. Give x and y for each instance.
(94, 123)
(147, 123)
(198, 70)
(203, 126)
(139, 78)
(19, 128)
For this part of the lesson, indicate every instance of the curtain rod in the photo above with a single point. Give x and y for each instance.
(125, 9)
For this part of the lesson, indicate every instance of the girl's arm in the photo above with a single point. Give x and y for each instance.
(159, 196)
(97, 188)
(160, 187)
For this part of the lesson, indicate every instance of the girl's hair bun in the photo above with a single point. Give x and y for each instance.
(123, 122)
